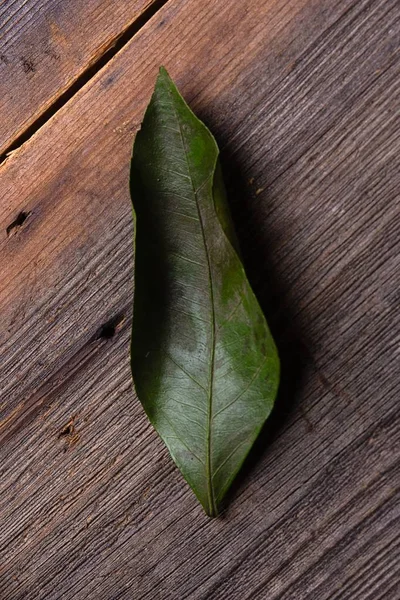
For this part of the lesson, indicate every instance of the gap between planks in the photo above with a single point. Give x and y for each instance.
(105, 56)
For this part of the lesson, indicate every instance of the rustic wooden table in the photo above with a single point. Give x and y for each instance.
(303, 98)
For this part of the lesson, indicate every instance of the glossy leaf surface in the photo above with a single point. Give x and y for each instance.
(204, 364)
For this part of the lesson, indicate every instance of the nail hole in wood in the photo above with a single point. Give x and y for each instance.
(67, 430)
(69, 434)
(16, 225)
(110, 328)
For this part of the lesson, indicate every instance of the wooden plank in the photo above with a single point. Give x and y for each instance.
(46, 46)
(301, 98)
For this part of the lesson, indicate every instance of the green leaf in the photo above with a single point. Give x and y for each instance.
(204, 364)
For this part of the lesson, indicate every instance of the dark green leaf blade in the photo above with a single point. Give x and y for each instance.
(204, 363)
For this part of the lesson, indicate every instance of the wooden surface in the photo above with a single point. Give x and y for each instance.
(303, 99)
(46, 46)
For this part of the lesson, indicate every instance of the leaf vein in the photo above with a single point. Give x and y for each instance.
(246, 389)
(181, 440)
(182, 312)
(207, 179)
(170, 171)
(228, 457)
(199, 408)
(179, 214)
(186, 259)
(210, 489)
(230, 316)
(184, 370)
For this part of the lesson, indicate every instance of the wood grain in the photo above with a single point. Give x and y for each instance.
(46, 46)
(302, 98)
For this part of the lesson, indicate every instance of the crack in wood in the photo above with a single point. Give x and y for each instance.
(107, 52)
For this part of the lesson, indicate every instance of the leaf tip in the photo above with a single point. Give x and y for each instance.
(162, 72)
(164, 80)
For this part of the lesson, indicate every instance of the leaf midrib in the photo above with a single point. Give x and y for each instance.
(210, 489)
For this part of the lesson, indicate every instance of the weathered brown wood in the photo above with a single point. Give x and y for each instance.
(302, 98)
(46, 46)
